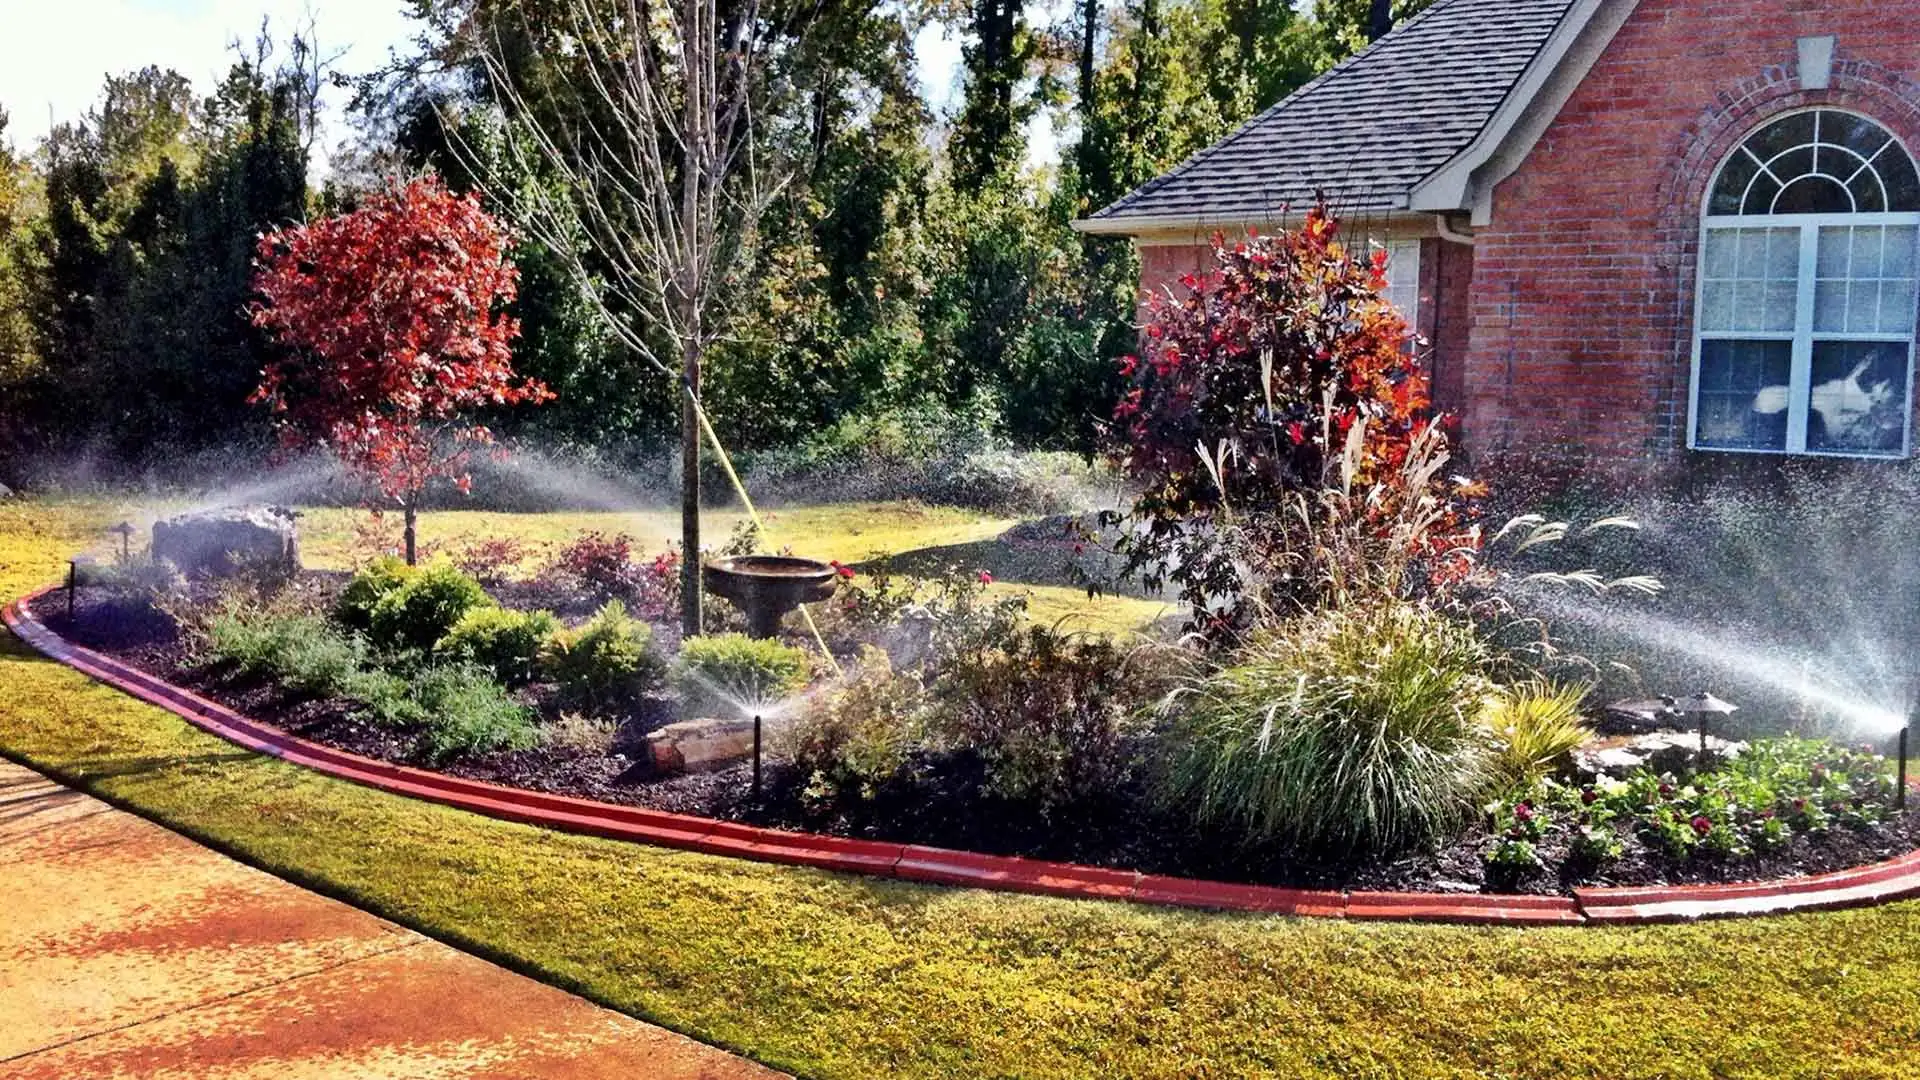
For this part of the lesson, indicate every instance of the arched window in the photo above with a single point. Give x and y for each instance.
(1804, 330)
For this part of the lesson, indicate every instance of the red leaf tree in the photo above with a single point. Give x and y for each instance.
(1280, 377)
(394, 319)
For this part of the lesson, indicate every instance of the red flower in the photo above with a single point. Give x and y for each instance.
(1587, 796)
(1702, 825)
(1522, 812)
(1666, 791)
(986, 578)
(845, 571)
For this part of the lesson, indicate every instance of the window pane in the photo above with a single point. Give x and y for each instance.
(1898, 260)
(1830, 307)
(1814, 195)
(1783, 254)
(1867, 196)
(1716, 307)
(1760, 196)
(1782, 134)
(1897, 307)
(1863, 308)
(1866, 252)
(1860, 397)
(1903, 183)
(1722, 246)
(1781, 308)
(1743, 395)
(1732, 185)
(1856, 133)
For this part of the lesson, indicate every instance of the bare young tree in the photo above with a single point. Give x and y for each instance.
(647, 116)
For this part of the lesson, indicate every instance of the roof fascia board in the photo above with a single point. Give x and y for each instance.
(1467, 180)
(1199, 228)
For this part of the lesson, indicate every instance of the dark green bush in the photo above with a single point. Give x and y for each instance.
(427, 604)
(1344, 729)
(468, 713)
(504, 641)
(724, 673)
(606, 661)
(369, 585)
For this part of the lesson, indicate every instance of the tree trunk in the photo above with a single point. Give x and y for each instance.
(690, 606)
(696, 136)
(1379, 19)
(409, 516)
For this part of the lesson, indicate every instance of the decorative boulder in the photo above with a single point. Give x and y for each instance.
(1676, 752)
(700, 745)
(5, 492)
(221, 542)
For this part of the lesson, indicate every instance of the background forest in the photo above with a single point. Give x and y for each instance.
(915, 279)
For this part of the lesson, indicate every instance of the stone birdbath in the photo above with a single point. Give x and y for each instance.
(766, 587)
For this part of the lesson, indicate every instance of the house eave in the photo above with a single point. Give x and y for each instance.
(1465, 182)
(1197, 228)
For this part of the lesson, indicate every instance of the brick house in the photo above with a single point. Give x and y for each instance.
(1641, 235)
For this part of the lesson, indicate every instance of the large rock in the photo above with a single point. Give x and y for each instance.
(700, 745)
(1662, 752)
(5, 492)
(220, 542)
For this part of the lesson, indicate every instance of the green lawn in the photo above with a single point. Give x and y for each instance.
(830, 975)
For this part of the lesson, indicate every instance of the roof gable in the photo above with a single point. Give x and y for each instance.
(1370, 130)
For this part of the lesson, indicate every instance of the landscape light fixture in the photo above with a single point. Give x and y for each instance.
(1703, 705)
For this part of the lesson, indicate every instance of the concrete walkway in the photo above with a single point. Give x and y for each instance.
(129, 951)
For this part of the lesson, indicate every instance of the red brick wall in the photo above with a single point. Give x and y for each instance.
(1446, 318)
(1446, 278)
(1580, 350)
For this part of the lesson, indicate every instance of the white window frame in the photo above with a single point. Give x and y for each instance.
(1403, 273)
(1800, 377)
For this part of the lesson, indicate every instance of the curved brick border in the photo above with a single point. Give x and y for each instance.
(1859, 887)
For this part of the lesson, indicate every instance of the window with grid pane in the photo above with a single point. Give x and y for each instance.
(1807, 300)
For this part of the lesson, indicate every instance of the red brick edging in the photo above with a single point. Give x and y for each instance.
(1878, 883)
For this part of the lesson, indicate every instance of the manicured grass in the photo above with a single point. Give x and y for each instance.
(830, 975)
(849, 532)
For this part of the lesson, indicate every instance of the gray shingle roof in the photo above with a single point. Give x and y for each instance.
(1367, 131)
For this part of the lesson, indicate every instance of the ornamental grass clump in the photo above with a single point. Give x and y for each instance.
(1536, 725)
(1345, 729)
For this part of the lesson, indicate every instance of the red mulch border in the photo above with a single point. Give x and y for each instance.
(1859, 887)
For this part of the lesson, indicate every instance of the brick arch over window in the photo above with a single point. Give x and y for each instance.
(1880, 94)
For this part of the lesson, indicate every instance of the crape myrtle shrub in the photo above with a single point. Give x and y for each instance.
(1280, 376)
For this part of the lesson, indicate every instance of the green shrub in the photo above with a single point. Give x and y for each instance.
(468, 713)
(385, 698)
(502, 640)
(608, 660)
(724, 673)
(427, 604)
(369, 585)
(1536, 728)
(1352, 728)
(860, 734)
(318, 659)
(1054, 718)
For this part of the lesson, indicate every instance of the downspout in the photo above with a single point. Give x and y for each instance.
(1444, 225)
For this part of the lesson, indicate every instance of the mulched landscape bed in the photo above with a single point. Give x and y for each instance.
(944, 807)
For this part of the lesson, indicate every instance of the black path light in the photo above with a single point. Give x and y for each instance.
(1704, 705)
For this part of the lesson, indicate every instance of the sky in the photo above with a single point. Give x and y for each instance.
(55, 54)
